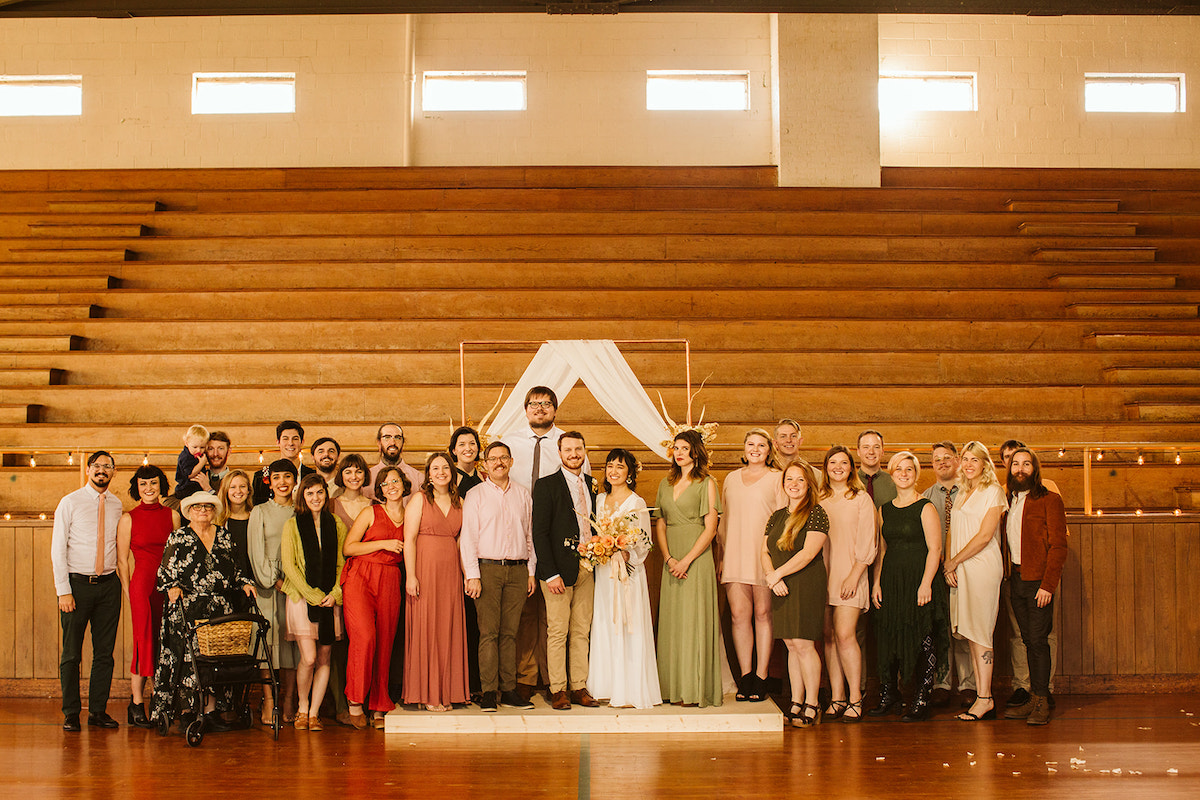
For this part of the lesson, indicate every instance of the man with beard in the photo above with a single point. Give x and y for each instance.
(563, 505)
(1018, 658)
(390, 437)
(534, 456)
(325, 453)
(290, 436)
(217, 451)
(1035, 547)
(943, 494)
(83, 553)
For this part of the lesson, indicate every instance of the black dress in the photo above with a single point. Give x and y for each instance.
(207, 580)
(800, 614)
(900, 624)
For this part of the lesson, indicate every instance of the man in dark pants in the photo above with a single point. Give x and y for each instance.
(1035, 539)
(83, 552)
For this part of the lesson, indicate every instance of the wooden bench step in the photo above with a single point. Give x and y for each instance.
(39, 344)
(104, 206)
(1113, 280)
(1078, 228)
(1145, 340)
(30, 377)
(1153, 375)
(1163, 411)
(71, 230)
(57, 283)
(1063, 206)
(72, 255)
(48, 312)
(18, 413)
(1095, 254)
(1135, 310)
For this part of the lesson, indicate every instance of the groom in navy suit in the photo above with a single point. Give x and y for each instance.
(563, 504)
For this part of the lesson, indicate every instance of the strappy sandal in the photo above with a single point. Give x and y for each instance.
(743, 687)
(795, 711)
(756, 691)
(990, 714)
(855, 706)
(805, 719)
(836, 709)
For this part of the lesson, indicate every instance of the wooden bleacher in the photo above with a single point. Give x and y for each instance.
(1048, 305)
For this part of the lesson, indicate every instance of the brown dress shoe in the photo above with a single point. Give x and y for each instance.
(301, 722)
(359, 721)
(1040, 714)
(1020, 712)
(581, 697)
(561, 701)
(314, 723)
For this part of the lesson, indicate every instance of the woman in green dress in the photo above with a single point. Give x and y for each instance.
(689, 634)
(794, 569)
(912, 621)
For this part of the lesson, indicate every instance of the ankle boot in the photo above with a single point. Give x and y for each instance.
(889, 694)
(135, 715)
(919, 710)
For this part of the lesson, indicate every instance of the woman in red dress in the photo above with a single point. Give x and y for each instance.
(142, 533)
(372, 597)
(435, 651)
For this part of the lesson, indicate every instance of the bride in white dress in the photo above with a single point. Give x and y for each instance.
(623, 668)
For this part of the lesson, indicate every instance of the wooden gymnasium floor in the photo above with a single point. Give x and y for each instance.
(1142, 736)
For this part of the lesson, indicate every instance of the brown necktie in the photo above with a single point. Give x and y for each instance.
(949, 506)
(100, 539)
(537, 461)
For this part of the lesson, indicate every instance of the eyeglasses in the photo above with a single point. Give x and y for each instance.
(104, 467)
(389, 437)
(498, 460)
(203, 507)
(546, 404)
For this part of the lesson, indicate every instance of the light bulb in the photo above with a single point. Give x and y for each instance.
(1178, 511)
(1137, 513)
(146, 460)
(7, 515)
(1062, 451)
(1099, 455)
(1099, 512)
(70, 458)
(1178, 458)
(260, 457)
(42, 515)
(32, 461)
(1141, 459)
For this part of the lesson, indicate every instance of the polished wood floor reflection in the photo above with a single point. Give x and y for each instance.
(1123, 746)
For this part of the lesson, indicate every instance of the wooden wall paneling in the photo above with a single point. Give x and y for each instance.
(1126, 598)
(1145, 601)
(47, 629)
(8, 603)
(1069, 601)
(1087, 600)
(1104, 633)
(25, 631)
(1165, 642)
(1187, 562)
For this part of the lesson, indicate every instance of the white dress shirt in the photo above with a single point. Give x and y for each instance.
(496, 524)
(73, 542)
(1014, 527)
(520, 444)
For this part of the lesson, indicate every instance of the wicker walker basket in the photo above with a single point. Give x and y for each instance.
(224, 639)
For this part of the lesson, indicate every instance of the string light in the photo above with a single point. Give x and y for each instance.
(146, 460)
(1137, 513)
(7, 515)
(1178, 458)
(42, 515)
(1062, 451)
(70, 458)
(1099, 512)
(1099, 455)
(1178, 511)
(32, 461)
(260, 457)
(1141, 459)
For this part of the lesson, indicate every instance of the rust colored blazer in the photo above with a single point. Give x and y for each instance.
(1043, 540)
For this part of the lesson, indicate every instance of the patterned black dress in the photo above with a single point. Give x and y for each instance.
(208, 580)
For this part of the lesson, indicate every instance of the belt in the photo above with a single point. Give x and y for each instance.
(504, 562)
(108, 576)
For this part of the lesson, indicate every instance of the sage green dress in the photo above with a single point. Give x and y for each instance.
(689, 633)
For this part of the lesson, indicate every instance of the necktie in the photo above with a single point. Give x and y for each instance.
(537, 461)
(949, 506)
(100, 539)
(871, 487)
(579, 495)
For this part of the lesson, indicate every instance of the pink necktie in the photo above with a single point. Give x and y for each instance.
(100, 539)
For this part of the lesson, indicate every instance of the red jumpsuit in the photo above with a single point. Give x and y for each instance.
(372, 593)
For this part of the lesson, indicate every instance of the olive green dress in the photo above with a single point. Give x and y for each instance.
(800, 614)
(689, 637)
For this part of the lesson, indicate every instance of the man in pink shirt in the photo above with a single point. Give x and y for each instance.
(496, 547)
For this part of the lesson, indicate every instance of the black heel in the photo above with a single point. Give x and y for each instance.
(135, 714)
(855, 706)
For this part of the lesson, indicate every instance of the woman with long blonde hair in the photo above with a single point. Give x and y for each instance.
(974, 568)
(794, 569)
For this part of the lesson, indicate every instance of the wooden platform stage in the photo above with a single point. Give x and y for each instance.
(731, 717)
(1145, 737)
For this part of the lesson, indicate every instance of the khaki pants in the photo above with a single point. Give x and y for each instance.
(1017, 654)
(531, 641)
(568, 628)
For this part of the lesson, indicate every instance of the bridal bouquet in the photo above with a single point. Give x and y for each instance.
(610, 535)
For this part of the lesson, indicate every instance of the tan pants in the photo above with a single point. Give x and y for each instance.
(568, 628)
(531, 641)
(959, 655)
(1017, 655)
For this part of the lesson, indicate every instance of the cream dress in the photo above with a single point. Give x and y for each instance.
(976, 601)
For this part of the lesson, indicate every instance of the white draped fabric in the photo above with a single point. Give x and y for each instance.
(599, 364)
